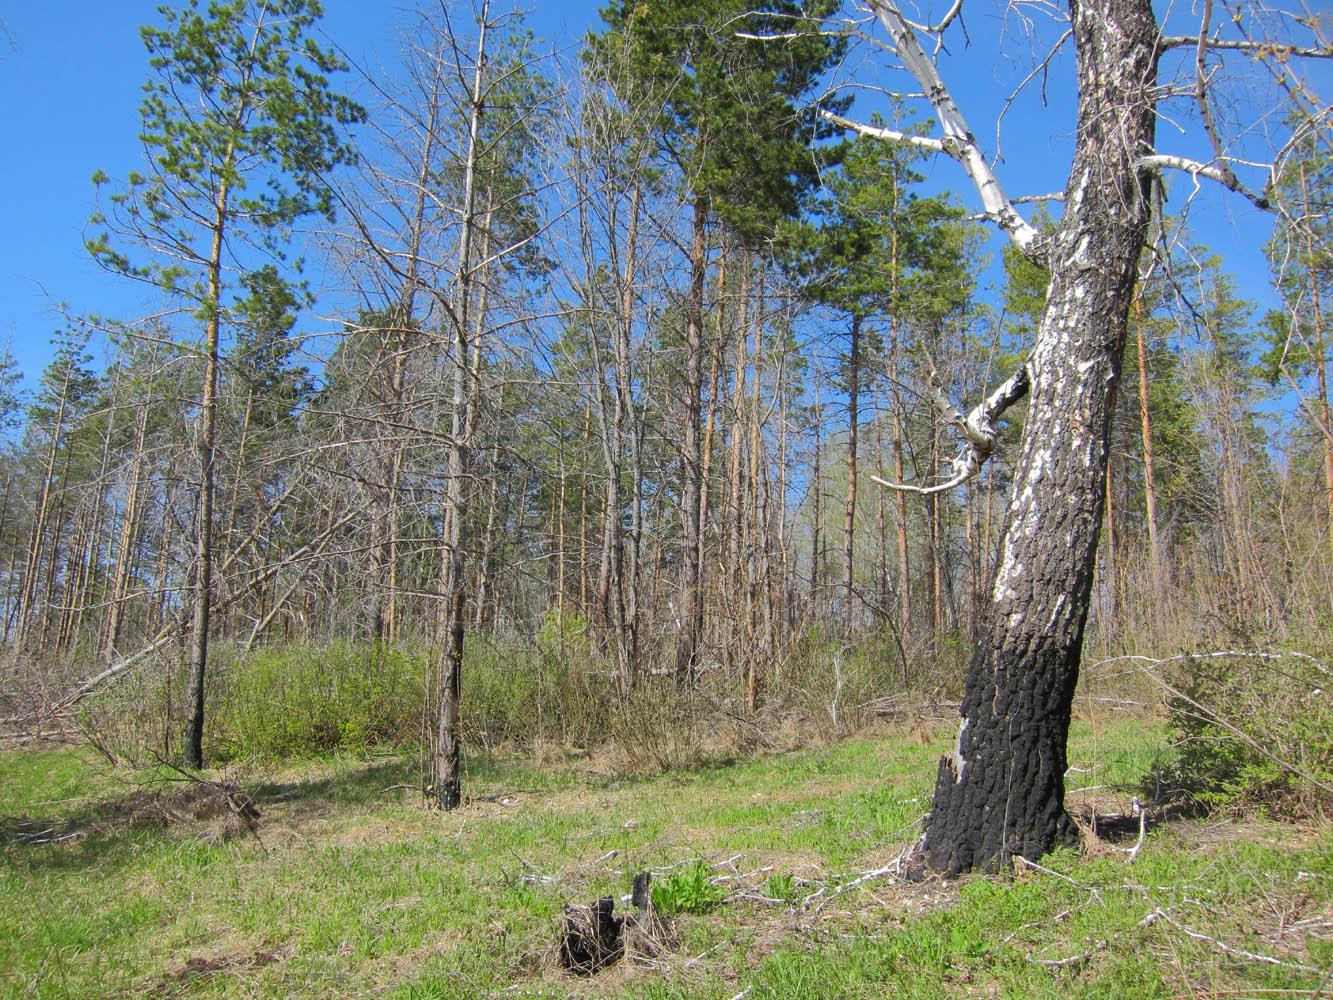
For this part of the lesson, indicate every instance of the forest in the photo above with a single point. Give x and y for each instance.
(685, 401)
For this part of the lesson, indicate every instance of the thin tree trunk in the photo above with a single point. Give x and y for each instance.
(689, 597)
(756, 529)
(881, 523)
(31, 571)
(1149, 468)
(1320, 360)
(447, 764)
(129, 532)
(817, 498)
(485, 590)
(203, 552)
(900, 501)
(583, 505)
(714, 405)
(849, 514)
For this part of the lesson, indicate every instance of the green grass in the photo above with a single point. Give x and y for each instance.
(358, 892)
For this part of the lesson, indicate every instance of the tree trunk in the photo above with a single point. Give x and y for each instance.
(900, 500)
(129, 532)
(689, 610)
(447, 763)
(849, 514)
(1001, 792)
(1149, 468)
(1320, 359)
(203, 527)
(817, 498)
(37, 536)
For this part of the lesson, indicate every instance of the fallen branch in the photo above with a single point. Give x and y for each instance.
(238, 800)
(1160, 914)
(894, 867)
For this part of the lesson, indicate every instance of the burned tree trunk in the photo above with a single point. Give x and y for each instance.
(1001, 792)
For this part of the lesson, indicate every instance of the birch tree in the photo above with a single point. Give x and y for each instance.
(1000, 792)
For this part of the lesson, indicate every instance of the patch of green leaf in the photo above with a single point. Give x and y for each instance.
(689, 890)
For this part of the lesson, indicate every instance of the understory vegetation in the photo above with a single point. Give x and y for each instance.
(1247, 729)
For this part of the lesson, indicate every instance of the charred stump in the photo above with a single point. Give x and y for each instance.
(591, 938)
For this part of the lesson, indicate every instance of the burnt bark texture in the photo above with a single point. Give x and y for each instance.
(1001, 792)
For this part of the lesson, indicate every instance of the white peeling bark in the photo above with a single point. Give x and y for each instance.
(958, 140)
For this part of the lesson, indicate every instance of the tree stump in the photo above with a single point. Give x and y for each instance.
(591, 939)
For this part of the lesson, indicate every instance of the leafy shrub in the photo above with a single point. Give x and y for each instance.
(690, 890)
(313, 700)
(518, 692)
(1251, 730)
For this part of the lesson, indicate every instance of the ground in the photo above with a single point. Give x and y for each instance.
(120, 884)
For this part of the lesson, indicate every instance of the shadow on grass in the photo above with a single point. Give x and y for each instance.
(161, 808)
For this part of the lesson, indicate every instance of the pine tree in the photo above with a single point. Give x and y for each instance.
(737, 126)
(240, 127)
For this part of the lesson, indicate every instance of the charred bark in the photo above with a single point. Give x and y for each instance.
(1001, 792)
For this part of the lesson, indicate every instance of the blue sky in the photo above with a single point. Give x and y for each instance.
(71, 73)
(70, 78)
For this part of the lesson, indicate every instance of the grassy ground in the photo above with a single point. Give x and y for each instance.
(126, 885)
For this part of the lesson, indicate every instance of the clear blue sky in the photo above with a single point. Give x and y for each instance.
(70, 78)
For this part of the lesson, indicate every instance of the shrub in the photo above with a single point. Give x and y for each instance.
(518, 692)
(1251, 730)
(304, 700)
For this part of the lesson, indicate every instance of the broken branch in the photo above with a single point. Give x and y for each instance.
(978, 428)
(958, 140)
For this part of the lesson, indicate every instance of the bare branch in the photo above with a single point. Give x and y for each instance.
(978, 428)
(1041, 68)
(1024, 199)
(958, 140)
(1168, 42)
(887, 134)
(786, 36)
(1222, 174)
(953, 12)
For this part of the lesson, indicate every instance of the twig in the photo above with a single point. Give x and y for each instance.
(1143, 829)
(894, 867)
(1322, 983)
(1238, 952)
(1048, 871)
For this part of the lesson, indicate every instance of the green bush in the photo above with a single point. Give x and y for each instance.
(304, 700)
(518, 692)
(1251, 731)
